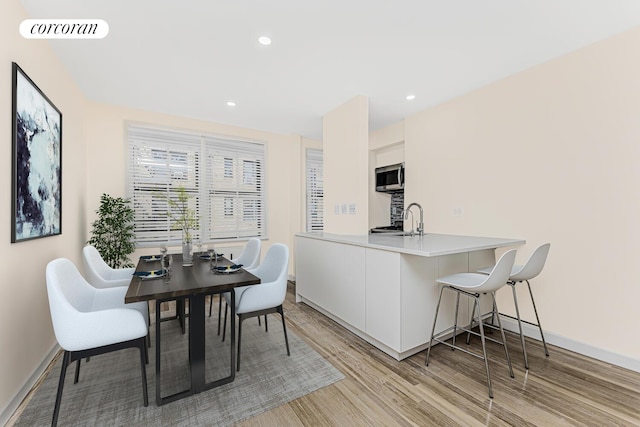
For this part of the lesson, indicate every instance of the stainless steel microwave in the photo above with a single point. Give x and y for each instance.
(390, 178)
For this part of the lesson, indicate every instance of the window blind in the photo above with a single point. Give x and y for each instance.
(315, 202)
(235, 193)
(224, 179)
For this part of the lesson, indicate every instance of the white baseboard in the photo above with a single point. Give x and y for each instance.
(8, 411)
(573, 345)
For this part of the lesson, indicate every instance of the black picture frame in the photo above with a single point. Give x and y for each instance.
(36, 180)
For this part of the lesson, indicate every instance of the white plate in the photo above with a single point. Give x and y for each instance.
(153, 274)
(206, 257)
(226, 270)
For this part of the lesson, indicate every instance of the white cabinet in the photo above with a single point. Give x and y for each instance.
(401, 296)
(382, 296)
(387, 297)
(419, 295)
(332, 276)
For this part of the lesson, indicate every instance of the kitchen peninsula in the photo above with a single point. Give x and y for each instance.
(382, 288)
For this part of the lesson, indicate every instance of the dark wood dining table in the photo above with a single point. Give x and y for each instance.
(193, 283)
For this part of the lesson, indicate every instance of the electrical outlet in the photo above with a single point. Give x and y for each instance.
(457, 211)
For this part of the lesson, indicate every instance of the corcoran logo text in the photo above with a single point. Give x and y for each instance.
(64, 28)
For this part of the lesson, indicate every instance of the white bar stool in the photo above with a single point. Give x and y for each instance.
(473, 285)
(524, 273)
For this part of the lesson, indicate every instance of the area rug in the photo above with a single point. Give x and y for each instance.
(110, 388)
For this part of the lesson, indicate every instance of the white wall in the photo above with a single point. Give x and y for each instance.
(345, 138)
(548, 155)
(26, 335)
(106, 162)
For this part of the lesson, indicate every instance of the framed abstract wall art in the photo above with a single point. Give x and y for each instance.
(36, 181)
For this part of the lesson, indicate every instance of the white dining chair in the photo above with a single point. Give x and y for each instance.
(100, 275)
(265, 298)
(88, 321)
(473, 285)
(523, 273)
(249, 258)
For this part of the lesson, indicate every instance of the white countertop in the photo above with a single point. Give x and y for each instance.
(428, 245)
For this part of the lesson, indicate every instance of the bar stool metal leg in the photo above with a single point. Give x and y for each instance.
(433, 328)
(484, 344)
(544, 343)
(504, 340)
(473, 312)
(455, 320)
(515, 302)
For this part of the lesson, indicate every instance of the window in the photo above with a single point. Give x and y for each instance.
(223, 177)
(228, 167)
(315, 202)
(228, 206)
(249, 173)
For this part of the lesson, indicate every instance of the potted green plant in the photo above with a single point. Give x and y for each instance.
(112, 233)
(184, 218)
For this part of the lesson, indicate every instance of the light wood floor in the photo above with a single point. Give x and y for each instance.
(564, 389)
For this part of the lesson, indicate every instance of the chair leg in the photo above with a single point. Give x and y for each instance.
(284, 327)
(147, 342)
(77, 376)
(544, 343)
(224, 328)
(240, 319)
(455, 321)
(266, 327)
(484, 345)
(148, 325)
(211, 308)
(219, 311)
(144, 359)
(515, 302)
(433, 328)
(473, 313)
(504, 340)
(63, 372)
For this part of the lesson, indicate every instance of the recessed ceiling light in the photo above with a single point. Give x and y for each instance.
(231, 103)
(264, 40)
(410, 97)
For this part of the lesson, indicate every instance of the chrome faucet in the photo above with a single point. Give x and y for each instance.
(421, 223)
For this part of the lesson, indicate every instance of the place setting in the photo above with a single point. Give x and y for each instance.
(152, 274)
(166, 260)
(227, 269)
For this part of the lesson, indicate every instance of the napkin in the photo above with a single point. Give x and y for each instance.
(228, 267)
(206, 256)
(149, 274)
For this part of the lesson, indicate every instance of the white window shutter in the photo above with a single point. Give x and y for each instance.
(315, 190)
(224, 178)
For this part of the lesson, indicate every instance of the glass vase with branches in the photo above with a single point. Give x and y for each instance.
(185, 219)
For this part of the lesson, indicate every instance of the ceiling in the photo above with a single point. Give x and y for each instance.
(189, 58)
